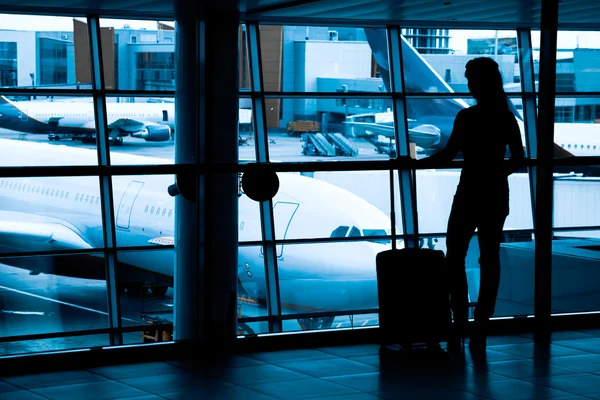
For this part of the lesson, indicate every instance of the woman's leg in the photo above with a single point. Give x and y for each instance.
(461, 226)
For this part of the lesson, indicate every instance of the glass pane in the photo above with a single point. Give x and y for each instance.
(337, 322)
(50, 214)
(517, 262)
(252, 290)
(576, 127)
(430, 122)
(49, 294)
(435, 193)
(434, 60)
(296, 58)
(55, 344)
(575, 198)
(145, 285)
(575, 264)
(244, 61)
(252, 328)
(320, 204)
(44, 52)
(144, 210)
(138, 55)
(247, 144)
(342, 129)
(47, 130)
(141, 126)
(328, 276)
(250, 228)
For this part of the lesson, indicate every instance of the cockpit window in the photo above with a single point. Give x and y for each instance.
(377, 232)
(339, 232)
(354, 232)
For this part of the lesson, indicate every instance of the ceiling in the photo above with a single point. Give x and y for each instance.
(408, 12)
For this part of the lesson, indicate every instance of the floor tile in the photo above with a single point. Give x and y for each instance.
(512, 339)
(490, 355)
(234, 361)
(588, 363)
(591, 345)
(303, 389)
(360, 396)
(20, 395)
(595, 396)
(527, 369)
(278, 357)
(7, 387)
(352, 351)
(580, 384)
(126, 371)
(423, 392)
(230, 393)
(90, 391)
(329, 367)
(181, 382)
(37, 381)
(256, 374)
(368, 382)
(513, 389)
(529, 350)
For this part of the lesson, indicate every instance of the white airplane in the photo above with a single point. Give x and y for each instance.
(153, 122)
(59, 213)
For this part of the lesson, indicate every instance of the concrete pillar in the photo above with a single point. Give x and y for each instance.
(206, 133)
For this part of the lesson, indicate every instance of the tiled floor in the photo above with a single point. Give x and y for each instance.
(513, 369)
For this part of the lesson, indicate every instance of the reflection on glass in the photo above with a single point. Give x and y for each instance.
(576, 132)
(434, 59)
(297, 58)
(46, 130)
(138, 55)
(516, 290)
(141, 130)
(244, 60)
(55, 344)
(322, 204)
(246, 142)
(328, 277)
(145, 285)
(44, 52)
(337, 322)
(144, 210)
(342, 129)
(47, 294)
(435, 193)
(251, 282)
(575, 197)
(575, 263)
(252, 328)
(50, 214)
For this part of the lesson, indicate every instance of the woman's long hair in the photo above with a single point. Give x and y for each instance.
(485, 82)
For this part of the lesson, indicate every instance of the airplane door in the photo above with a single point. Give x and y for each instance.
(126, 205)
(23, 115)
(283, 212)
(165, 116)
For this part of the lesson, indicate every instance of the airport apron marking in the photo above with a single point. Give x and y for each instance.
(63, 303)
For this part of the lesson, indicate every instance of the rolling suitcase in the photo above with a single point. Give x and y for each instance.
(414, 302)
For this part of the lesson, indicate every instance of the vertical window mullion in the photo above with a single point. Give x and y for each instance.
(262, 157)
(406, 178)
(106, 192)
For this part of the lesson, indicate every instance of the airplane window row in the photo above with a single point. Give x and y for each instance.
(157, 211)
(60, 115)
(25, 188)
(580, 146)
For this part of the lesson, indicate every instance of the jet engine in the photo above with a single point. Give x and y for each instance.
(154, 133)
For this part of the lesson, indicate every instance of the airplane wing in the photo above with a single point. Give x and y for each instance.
(425, 136)
(26, 232)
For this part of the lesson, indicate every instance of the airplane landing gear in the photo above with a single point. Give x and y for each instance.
(117, 141)
(315, 323)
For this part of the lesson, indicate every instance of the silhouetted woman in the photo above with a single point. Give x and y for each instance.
(482, 133)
